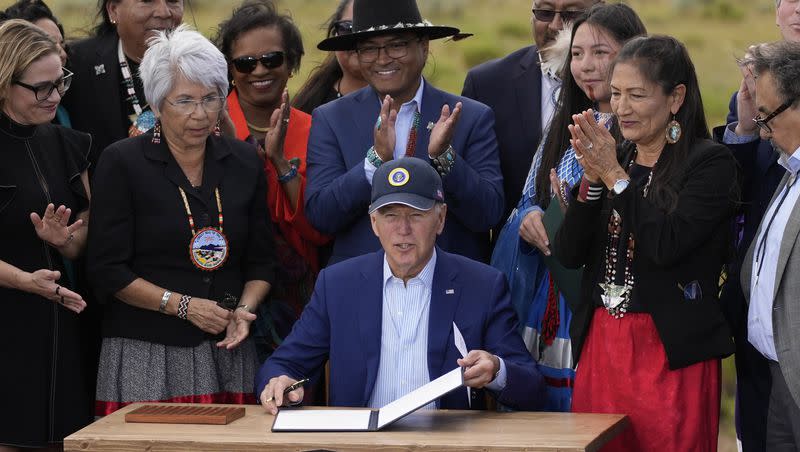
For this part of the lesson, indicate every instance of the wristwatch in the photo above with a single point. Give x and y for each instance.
(619, 186)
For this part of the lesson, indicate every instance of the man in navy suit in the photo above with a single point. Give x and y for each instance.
(394, 320)
(400, 114)
(523, 94)
(761, 174)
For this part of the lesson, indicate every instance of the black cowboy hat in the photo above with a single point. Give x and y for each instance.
(380, 17)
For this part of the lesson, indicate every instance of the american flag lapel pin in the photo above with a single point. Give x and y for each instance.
(449, 291)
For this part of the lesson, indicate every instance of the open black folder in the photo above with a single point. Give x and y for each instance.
(361, 420)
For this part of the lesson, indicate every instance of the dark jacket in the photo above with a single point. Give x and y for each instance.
(93, 100)
(672, 250)
(512, 88)
(342, 324)
(338, 193)
(140, 229)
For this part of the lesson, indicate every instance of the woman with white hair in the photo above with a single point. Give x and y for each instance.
(181, 253)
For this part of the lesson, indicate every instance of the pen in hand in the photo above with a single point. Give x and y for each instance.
(290, 388)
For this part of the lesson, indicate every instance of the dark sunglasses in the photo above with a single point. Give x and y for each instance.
(43, 91)
(342, 27)
(763, 123)
(547, 15)
(247, 64)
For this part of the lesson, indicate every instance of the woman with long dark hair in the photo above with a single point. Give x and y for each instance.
(339, 74)
(594, 40)
(651, 227)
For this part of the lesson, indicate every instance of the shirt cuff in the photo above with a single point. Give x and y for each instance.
(369, 170)
(730, 137)
(499, 382)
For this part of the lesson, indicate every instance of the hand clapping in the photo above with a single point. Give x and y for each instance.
(595, 148)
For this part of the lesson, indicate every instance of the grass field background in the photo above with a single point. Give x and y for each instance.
(715, 32)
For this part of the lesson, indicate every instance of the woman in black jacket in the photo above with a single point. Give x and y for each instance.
(651, 227)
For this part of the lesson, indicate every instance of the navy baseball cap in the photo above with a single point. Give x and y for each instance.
(409, 181)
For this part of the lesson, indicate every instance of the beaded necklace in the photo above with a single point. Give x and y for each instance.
(143, 119)
(616, 298)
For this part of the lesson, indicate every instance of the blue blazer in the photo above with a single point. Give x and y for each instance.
(338, 194)
(342, 322)
(512, 87)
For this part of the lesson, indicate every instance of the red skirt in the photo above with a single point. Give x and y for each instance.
(623, 369)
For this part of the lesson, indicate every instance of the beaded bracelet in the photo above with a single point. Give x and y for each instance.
(373, 157)
(445, 161)
(183, 306)
(291, 174)
(589, 191)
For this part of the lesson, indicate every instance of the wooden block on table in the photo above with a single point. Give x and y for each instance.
(184, 414)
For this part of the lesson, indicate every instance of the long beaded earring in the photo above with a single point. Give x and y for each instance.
(217, 131)
(157, 132)
(673, 132)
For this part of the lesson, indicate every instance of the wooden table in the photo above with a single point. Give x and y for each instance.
(444, 430)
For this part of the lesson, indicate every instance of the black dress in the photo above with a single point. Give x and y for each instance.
(43, 378)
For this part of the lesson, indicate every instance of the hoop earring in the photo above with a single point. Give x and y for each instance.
(157, 132)
(673, 132)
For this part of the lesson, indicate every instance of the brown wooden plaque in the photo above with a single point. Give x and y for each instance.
(185, 414)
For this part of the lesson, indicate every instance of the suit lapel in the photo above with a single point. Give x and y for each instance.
(370, 319)
(747, 265)
(445, 296)
(109, 82)
(362, 117)
(432, 102)
(788, 239)
(527, 83)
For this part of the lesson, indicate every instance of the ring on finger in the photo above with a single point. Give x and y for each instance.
(58, 289)
(589, 146)
(378, 124)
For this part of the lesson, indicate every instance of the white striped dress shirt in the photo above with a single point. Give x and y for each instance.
(404, 335)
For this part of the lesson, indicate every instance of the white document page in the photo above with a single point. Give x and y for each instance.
(331, 420)
(420, 397)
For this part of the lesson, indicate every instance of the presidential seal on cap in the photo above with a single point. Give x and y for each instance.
(408, 181)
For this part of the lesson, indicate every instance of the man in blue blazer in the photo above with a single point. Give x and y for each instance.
(523, 94)
(400, 114)
(394, 320)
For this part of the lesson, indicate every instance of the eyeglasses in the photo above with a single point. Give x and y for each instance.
(342, 27)
(247, 64)
(43, 91)
(763, 123)
(547, 15)
(210, 104)
(394, 49)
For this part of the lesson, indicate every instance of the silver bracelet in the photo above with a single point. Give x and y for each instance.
(444, 162)
(164, 299)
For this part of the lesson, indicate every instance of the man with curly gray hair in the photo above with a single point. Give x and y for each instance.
(771, 267)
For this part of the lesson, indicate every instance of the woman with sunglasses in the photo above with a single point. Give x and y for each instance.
(44, 202)
(264, 49)
(181, 254)
(339, 74)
